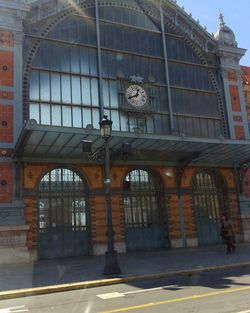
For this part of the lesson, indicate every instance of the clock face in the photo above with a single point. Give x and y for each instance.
(136, 96)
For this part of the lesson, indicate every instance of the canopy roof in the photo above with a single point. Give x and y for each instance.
(63, 144)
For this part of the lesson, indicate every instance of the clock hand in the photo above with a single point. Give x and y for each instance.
(134, 96)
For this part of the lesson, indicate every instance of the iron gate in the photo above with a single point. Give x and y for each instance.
(144, 216)
(63, 215)
(208, 201)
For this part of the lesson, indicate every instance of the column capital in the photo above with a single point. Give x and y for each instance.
(12, 14)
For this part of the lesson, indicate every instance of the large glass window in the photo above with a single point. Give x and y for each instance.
(209, 202)
(62, 200)
(63, 216)
(140, 202)
(145, 223)
(64, 89)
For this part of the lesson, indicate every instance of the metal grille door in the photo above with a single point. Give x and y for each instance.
(144, 218)
(208, 200)
(63, 215)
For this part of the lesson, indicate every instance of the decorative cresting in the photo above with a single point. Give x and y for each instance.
(140, 7)
(63, 219)
(144, 212)
(209, 200)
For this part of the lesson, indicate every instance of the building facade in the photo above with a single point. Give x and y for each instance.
(179, 148)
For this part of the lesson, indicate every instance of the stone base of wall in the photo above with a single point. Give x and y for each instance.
(13, 244)
(246, 226)
(100, 249)
(192, 242)
(176, 243)
(14, 255)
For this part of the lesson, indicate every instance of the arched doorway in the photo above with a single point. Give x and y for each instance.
(209, 200)
(145, 221)
(63, 219)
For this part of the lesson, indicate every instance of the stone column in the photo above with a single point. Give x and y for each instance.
(12, 224)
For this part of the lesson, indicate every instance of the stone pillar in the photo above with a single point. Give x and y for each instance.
(230, 56)
(245, 196)
(244, 199)
(12, 225)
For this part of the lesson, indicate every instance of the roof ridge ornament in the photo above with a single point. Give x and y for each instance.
(136, 78)
(222, 22)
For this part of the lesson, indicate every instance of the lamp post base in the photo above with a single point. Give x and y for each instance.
(111, 264)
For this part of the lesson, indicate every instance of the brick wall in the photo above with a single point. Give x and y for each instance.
(235, 99)
(6, 68)
(246, 88)
(6, 123)
(6, 113)
(94, 176)
(6, 179)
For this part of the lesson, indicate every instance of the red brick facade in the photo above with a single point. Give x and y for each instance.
(6, 68)
(93, 175)
(6, 186)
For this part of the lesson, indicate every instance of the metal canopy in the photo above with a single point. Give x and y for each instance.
(52, 143)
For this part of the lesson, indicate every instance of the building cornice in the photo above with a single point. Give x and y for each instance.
(20, 5)
(12, 14)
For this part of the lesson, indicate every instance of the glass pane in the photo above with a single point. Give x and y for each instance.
(55, 88)
(86, 116)
(44, 86)
(65, 59)
(75, 61)
(96, 118)
(94, 92)
(66, 116)
(124, 122)
(77, 117)
(34, 85)
(106, 93)
(114, 94)
(86, 91)
(34, 112)
(56, 115)
(44, 55)
(93, 62)
(76, 90)
(84, 59)
(66, 90)
(55, 63)
(115, 119)
(45, 114)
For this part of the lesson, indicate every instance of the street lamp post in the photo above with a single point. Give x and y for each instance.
(111, 262)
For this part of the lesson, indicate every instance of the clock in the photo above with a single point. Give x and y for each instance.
(136, 96)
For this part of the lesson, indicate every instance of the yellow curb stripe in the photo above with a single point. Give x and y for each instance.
(147, 305)
(27, 292)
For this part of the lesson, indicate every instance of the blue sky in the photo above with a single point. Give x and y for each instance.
(236, 16)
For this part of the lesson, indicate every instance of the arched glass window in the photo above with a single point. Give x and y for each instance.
(63, 82)
(144, 215)
(63, 214)
(208, 201)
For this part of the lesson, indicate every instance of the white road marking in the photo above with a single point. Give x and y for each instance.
(14, 309)
(111, 295)
(150, 289)
(244, 311)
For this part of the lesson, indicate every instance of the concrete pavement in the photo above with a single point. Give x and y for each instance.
(19, 280)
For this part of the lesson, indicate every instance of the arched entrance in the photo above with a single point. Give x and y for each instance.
(63, 219)
(145, 225)
(209, 199)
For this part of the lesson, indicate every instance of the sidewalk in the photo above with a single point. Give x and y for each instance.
(85, 272)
